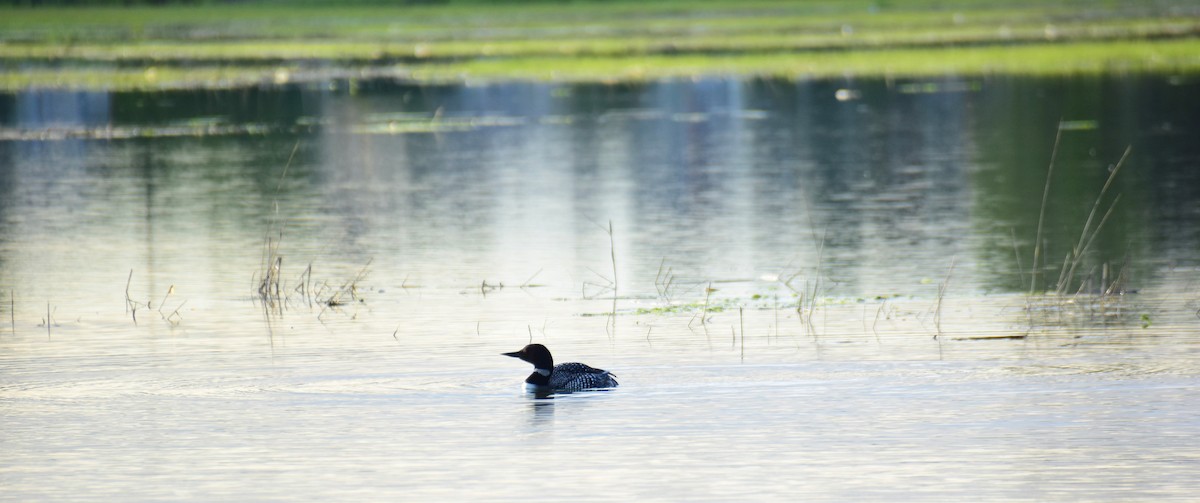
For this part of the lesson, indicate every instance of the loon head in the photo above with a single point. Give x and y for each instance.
(543, 363)
(536, 354)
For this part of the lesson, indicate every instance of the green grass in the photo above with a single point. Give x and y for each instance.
(206, 46)
(620, 19)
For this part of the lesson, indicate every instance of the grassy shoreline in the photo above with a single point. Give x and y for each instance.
(367, 50)
(1065, 59)
(195, 47)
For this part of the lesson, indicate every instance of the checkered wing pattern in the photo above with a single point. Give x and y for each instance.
(577, 377)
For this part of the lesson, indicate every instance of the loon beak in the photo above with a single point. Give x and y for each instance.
(514, 354)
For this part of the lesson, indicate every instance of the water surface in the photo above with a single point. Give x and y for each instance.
(778, 251)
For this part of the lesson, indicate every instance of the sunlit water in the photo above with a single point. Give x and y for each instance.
(450, 224)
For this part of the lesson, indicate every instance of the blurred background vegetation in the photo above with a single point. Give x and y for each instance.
(156, 44)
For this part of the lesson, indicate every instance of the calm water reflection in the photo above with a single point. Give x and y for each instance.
(138, 363)
(724, 179)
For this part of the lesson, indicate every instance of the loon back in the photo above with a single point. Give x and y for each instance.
(565, 377)
(577, 377)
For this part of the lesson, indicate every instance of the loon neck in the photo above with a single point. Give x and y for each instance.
(539, 377)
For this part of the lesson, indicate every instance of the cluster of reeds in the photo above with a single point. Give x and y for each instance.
(132, 306)
(807, 294)
(277, 295)
(1095, 291)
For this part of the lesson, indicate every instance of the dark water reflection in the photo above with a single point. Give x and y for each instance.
(723, 179)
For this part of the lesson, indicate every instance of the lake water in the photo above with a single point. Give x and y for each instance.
(813, 290)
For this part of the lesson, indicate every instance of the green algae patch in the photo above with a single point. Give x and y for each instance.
(1056, 59)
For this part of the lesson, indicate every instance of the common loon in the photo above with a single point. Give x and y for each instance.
(564, 377)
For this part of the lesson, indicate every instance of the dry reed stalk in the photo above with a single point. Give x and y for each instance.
(742, 324)
(937, 314)
(1037, 241)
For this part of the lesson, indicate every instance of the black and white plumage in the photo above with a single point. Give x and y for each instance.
(564, 377)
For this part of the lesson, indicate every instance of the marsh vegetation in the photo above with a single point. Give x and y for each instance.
(255, 44)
